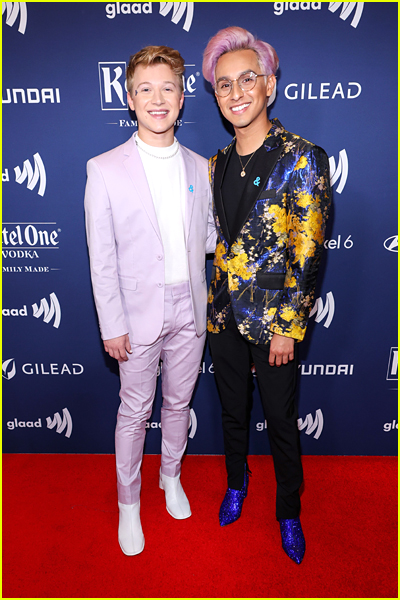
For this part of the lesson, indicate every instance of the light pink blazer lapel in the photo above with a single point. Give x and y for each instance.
(137, 174)
(189, 186)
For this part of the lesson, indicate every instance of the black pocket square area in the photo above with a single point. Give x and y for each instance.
(267, 194)
(270, 281)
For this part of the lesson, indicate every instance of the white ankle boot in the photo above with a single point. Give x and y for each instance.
(130, 534)
(177, 503)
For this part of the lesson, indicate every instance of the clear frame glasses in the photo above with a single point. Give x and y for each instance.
(246, 82)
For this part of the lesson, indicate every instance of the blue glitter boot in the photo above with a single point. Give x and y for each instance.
(231, 506)
(293, 541)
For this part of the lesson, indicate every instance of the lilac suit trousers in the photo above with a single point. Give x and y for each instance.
(181, 350)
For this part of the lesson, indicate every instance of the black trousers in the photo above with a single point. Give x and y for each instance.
(232, 356)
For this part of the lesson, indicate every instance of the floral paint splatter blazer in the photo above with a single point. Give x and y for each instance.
(265, 271)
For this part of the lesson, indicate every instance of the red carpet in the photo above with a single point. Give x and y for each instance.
(60, 519)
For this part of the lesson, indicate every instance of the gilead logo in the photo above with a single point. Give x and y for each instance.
(9, 369)
(323, 91)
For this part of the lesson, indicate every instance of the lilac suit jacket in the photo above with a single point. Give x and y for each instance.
(125, 246)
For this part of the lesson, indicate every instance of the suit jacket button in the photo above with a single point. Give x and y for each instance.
(231, 255)
(159, 284)
(159, 257)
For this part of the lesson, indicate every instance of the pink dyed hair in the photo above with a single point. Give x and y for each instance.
(237, 38)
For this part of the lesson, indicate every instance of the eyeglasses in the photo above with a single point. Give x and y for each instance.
(246, 82)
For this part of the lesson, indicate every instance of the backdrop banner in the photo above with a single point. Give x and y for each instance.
(64, 101)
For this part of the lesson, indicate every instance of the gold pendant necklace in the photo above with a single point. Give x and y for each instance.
(243, 172)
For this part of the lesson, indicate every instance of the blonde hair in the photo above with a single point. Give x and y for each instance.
(155, 55)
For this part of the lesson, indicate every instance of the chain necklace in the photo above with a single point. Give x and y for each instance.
(243, 172)
(154, 155)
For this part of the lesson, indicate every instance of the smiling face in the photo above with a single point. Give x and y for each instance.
(156, 99)
(245, 110)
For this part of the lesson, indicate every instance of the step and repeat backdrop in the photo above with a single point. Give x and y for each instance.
(64, 101)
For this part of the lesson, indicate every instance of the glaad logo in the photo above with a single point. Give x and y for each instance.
(391, 426)
(65, 423)
(309, 423)
(15, 424)
(279, 7)
(392, 366)
(54, 310)
(392, 243)
(341, 171)
(33, 176)
(347, 9)
(179, 9)
(137, 8)
(62, 424)
(9, 369)
(192, 424)
(13, 9)
(324, 311)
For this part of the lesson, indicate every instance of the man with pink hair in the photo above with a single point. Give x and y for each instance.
(271, 200)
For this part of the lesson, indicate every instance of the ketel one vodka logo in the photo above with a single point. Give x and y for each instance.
(392, 365)
(112, 85)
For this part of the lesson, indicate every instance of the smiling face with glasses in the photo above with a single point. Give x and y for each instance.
(242, 93)
(246, 82)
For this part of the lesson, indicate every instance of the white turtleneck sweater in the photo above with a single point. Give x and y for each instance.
(165, 177)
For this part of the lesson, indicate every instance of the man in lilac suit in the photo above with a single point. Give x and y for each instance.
(149, 226)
